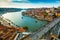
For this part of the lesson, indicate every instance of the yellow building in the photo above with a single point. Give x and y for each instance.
(53, 36)
(57, 14)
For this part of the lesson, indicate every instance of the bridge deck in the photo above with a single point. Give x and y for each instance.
(43, 30)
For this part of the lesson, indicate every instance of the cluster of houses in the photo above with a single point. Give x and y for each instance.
(42, 13)
(8, 31)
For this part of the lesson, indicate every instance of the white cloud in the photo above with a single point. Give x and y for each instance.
(5, 0)
(21, 1)
(26, 5)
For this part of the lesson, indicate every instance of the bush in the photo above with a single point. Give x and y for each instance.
(26, 28)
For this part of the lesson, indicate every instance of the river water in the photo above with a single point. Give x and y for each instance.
(21, 21)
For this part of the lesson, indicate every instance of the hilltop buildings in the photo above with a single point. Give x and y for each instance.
(43, 13)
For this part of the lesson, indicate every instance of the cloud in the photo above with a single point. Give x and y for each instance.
(5, 0)
(21, 1)
(26, 5)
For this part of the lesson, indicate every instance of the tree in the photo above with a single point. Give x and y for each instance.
(26, 28)
(45, 13)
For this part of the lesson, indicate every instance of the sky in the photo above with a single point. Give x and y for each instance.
(29, 3)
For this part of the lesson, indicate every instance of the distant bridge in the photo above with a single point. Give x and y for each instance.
(45, 31)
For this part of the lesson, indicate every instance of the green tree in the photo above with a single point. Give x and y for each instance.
(26, 28)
